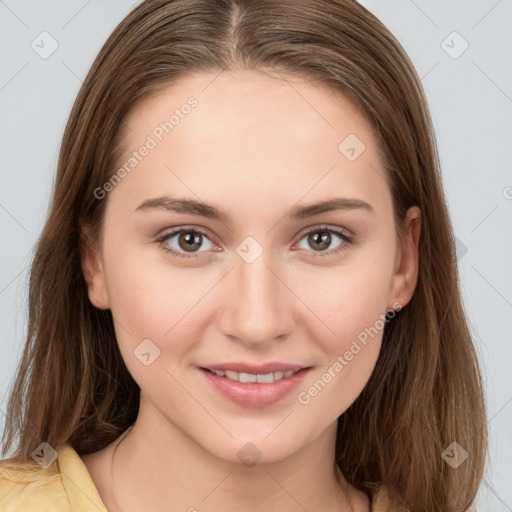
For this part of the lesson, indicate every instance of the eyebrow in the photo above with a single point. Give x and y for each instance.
(193, 207)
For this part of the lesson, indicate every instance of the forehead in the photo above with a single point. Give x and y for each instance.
(248, 100)
(255, 131)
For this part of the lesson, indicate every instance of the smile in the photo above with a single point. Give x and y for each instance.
(262, 378)
(254, 389)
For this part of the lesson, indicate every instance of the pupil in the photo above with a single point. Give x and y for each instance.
(325, 238)
(191, 240)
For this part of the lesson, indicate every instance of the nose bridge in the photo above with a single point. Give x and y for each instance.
(256, 308)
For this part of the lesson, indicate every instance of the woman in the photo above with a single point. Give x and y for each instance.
(190, 345)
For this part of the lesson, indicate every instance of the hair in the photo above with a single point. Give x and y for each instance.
(426, 389)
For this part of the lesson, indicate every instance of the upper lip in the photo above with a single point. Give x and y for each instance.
(256, 369)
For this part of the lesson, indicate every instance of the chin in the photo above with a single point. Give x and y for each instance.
(256, 449)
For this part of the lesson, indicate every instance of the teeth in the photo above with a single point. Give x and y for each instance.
(247, 377)
(264, 378)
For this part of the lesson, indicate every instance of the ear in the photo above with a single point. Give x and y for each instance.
(405, 277)
(93, 270)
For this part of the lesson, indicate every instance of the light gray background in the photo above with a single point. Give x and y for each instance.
(471, 103)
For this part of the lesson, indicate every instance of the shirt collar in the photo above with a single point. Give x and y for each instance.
(82, 493)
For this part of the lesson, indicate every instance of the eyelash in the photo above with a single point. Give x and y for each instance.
(347, 239)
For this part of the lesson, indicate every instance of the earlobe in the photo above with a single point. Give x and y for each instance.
(92, 269)
(405, 278)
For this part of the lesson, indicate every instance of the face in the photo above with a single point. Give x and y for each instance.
(270, 286)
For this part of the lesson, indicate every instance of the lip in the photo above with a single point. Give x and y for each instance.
(255, 394)
(255, 369)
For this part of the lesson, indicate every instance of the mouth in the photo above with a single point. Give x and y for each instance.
(262, 378)
(254, 386)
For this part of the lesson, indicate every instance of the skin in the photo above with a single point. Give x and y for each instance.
(256, 145)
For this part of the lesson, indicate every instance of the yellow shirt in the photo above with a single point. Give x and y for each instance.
(66, 486)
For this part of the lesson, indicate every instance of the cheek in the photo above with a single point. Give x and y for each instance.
(346, 303)
(349, 307)
(154, 300)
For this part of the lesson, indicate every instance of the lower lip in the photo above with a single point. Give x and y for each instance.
(255, 394)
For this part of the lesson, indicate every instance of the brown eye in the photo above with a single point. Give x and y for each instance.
(319, 239)
(189, 241)
(186, 243)
(320, 242)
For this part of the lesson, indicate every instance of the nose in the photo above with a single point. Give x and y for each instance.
(256, 306)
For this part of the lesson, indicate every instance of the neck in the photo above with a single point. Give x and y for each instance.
(155, 466)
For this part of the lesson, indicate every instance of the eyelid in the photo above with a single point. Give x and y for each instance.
(328, 227)
(177, 229)
(347, 236)
(171, 232)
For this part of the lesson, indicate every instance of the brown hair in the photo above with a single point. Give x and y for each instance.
(426, 390)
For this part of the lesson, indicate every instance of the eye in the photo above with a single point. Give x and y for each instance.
(187, 241)
(321, 238)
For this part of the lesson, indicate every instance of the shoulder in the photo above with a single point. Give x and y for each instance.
(26, 487)
(63, 486)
